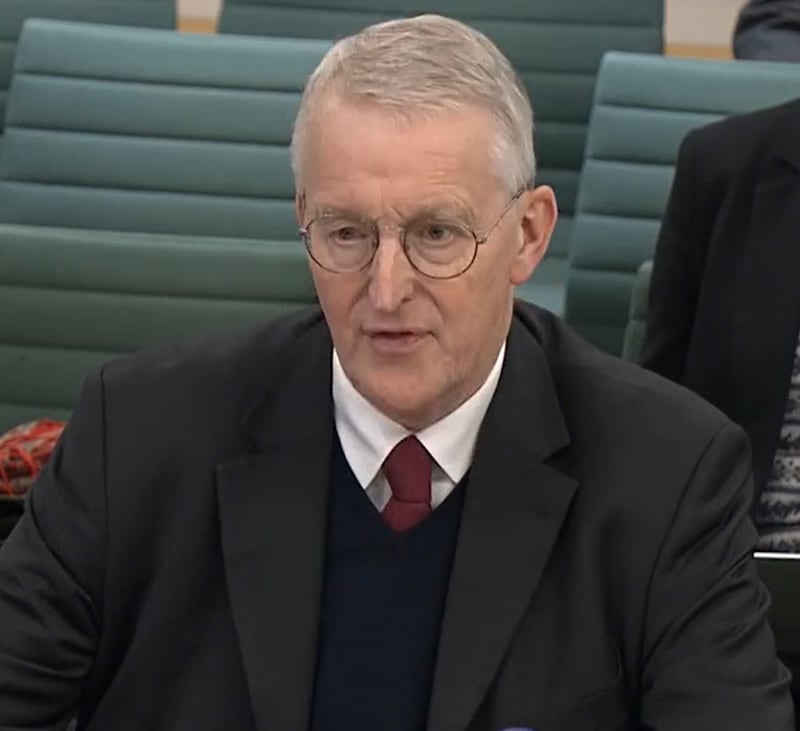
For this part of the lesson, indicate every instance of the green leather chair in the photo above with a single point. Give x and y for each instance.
(153, 13)
(637, 313)
(555, 44)
(644, 106)
(134, 129)
(73, 298)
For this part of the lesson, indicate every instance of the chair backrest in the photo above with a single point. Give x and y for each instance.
(556, 45)
(154, 131)
(637, 313)
(644, 106)
(75, 298)
(152, 13)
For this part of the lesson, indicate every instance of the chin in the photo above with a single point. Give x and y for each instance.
(402, 401)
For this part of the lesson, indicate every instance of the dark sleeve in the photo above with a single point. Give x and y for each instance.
(709, 659)
(677, 274)
(51, 579)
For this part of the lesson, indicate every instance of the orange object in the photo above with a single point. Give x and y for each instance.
(24, 451)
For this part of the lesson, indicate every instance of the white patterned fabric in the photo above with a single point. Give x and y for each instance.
(778, 513)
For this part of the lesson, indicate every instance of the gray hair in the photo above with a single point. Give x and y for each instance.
(424, 65)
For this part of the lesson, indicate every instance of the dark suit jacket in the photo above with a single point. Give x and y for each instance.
(724, 305)
(167, 573)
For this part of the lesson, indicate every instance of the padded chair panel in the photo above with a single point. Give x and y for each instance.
(126, 163)
(13, 13)
(660, 132)
(59, 104)
(119, 322)
(644, 106)
(144, 130)
(711, 88)
(625, 189)
(616, 241)
(51, 48)
(151, 211)
(80, 297)
(556, 47)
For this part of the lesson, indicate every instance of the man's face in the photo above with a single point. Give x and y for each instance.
(417, 347)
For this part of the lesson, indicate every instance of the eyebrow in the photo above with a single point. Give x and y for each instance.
(428, 209)
(339, 212)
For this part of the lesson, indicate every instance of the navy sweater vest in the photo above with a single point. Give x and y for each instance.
(382, 606)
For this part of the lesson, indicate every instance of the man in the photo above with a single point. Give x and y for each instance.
(724, 313)
(424, 507)
(724, 308)
(768, 30)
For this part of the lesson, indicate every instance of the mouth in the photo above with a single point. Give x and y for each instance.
(395, 341)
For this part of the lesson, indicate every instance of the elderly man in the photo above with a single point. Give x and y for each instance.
(422, 507)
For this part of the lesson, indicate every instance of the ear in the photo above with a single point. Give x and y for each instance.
(300, 207)
(538, 221)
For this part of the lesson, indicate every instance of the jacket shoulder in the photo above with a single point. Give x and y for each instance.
(732, 145)
(206, 378)
(597, 388)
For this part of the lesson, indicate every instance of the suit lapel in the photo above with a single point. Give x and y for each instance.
(514, 508)
(768, 312)
(272, 508)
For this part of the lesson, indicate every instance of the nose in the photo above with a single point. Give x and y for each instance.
(391, 275)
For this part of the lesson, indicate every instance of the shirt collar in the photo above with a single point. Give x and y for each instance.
(367, 435)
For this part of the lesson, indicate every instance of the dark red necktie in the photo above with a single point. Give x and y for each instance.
(408, 469)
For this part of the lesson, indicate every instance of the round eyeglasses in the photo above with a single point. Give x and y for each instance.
(437, 248)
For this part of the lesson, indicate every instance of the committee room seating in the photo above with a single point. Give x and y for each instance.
(153, 13)
(73, 298)
(644, 106)
(134, 129)
(145, 195)
(555, 44)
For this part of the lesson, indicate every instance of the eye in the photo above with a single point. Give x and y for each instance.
(348, 234)
(436, 233)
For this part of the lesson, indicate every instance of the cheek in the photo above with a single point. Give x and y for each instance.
(463, 318)
(339, 300)
(474, 318)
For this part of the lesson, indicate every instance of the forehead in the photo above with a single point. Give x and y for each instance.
(357, 153)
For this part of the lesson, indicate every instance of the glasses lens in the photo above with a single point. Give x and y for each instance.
(340, 245)
(440, 249)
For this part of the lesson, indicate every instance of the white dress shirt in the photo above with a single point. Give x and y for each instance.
(367, 436)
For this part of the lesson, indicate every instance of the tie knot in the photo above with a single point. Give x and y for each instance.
(408, 470)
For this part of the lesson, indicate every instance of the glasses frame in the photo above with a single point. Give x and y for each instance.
(479, 239)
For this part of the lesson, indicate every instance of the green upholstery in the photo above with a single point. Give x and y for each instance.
(153, 13)
(134, 129)
(644, 106)
(556, 45)
(637, 314)
(72, 298)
